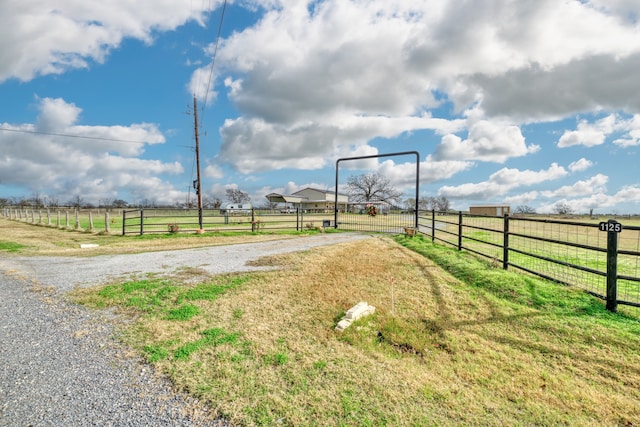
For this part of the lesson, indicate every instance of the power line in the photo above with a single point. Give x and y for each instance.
(72, 136)
(213, 60)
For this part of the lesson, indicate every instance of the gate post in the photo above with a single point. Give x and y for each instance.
(612, 265)
(505, 243)
(433, 225)
(459, 230)
(253, 220)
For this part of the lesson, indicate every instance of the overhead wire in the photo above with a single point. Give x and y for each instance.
(37, 132)
(213, 59)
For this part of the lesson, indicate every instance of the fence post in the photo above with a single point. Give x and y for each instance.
(433, 225)
(124, 221)
(141, 222)
(77, 219)
(91, 221)
(107, 225)
(459, 230)
(612, 266)
(253, 220)
(505, 243)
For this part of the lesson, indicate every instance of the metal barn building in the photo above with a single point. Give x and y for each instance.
(490, 210)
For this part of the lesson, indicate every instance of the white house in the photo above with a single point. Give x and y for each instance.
(311, 200)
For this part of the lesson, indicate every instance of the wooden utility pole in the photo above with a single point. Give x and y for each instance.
(198, 186)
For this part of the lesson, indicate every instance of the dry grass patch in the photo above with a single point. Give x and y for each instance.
(28, 239)
(493, 351)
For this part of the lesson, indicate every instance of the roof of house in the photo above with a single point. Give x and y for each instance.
(319, 191)
(285, 198)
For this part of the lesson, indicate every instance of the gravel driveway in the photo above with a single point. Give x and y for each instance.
(59, 363)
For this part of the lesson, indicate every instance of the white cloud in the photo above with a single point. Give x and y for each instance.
(512, 57)
(580, 165)
(403, 175)
(522, 198)
(254, 145)
(632, 137)
(501, 182)
(91, 165)
(213, 171)
(593, 185)
(487, 141)
(589, 134)
(335, 66)
(40, 38)
(599, 202)
(596, 133)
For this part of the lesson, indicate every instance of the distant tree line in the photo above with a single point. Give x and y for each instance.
(40, 201)
(436, 203)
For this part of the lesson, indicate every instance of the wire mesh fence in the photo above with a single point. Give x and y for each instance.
(573, 253)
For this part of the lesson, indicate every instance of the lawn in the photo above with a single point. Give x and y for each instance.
(453, 341)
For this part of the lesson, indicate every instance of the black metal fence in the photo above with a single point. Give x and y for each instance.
(602, 258)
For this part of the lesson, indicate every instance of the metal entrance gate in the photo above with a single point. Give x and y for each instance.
(390, 222)
(383, 218)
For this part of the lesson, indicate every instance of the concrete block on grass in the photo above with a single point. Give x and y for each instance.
(359, 310)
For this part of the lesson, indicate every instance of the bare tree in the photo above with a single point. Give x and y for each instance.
(372, 187)
(52, 202)
(76, 202)
(524, 210)
(148, 203)
(237, 196)
(562, 208)
(211, 202)
(410, 203)
(106, 203)
(440, 203)
(38, 200)
(423, 203)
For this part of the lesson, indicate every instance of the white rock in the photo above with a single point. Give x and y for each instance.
(357, 311)
(343, 324)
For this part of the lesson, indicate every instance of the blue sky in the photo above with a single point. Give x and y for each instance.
(523, 103)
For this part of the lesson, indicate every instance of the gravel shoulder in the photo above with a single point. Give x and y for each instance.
(61, 364)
